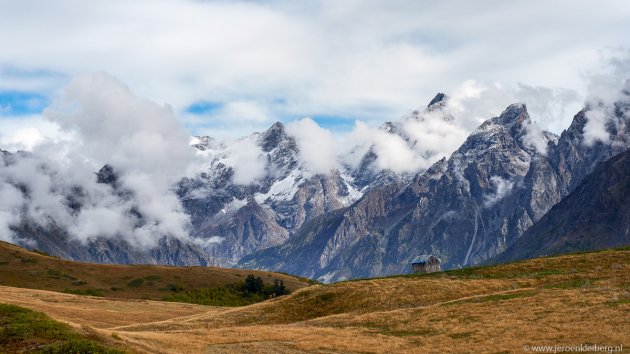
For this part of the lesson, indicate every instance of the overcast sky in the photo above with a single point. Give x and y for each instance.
(230, 67)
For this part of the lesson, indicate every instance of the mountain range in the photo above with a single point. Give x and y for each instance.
(509, 191)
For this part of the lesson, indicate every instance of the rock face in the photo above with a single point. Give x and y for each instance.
(464, 210)
(595, 215)
(238, 220)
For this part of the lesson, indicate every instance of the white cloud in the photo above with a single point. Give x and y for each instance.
(25, 133)
(214, 240)
(319, 150)
(502, 187)
(606, 87)
(362, 60)
(105, 123)
(595, 128)
(247, 160)
(535, 137)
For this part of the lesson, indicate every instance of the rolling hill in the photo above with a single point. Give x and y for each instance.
(26, 269)
(497, 309)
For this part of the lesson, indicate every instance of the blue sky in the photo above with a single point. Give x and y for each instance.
(16, 103)
(231, 67)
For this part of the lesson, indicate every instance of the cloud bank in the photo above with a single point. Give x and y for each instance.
(607, 87)
(143, 142)
(277, 59)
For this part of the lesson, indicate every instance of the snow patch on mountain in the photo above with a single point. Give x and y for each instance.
(282, 190)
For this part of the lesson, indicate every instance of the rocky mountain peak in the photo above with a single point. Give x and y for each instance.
(107, 175)
(440, 97)
(272, 137)
(511, 119)
(390, 127)
(507, 134)
(514, 114)
(204, 143)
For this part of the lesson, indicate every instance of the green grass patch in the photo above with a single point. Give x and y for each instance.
(23, 330)
(220, 296)
(152, 278)
(250, 291)
(88, 292)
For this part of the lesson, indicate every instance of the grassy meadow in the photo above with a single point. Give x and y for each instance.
(565, 300)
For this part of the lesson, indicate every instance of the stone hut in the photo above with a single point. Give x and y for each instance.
(426, 264)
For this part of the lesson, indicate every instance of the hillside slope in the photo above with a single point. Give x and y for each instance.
(22, 268)
(546, 301)
(595, 215)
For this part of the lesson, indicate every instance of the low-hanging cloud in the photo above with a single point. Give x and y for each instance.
(143, 142)
(247, 161)
(416, 141)
(502, 187)
(607, 88)
(392, 151)
(318, 149)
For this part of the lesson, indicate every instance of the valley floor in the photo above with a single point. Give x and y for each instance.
(568, 300)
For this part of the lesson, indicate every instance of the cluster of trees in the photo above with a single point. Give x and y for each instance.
(252, 290)
(255, 285)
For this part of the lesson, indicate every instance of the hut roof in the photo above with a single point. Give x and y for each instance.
(423, 259)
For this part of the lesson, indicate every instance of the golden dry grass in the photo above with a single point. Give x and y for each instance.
(568, 300)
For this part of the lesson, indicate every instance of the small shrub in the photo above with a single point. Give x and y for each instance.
(152, 278)
(173, 287)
